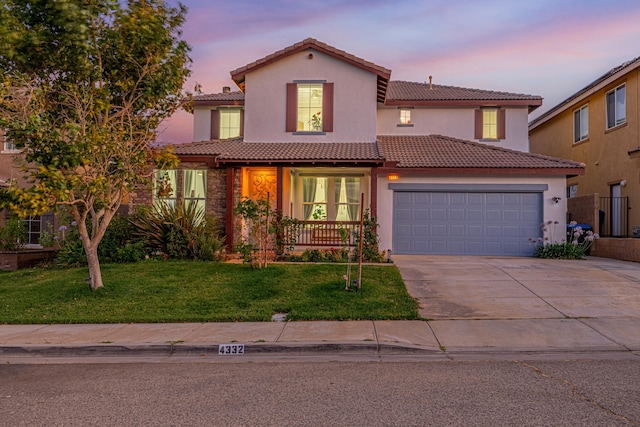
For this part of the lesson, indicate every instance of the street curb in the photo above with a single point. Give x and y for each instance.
(182, 349)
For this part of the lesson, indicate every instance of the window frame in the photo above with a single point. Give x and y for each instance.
(331, 205)
(172, 200)
(291, 121)
(577, 124)
(405, 117)
(608, 111)
(200, 201)
(500, 124)
(216, 122)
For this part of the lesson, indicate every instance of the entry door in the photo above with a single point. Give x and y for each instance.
(616, 211)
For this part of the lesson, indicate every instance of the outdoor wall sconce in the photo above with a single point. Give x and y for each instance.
(393, 177)
(556, 199)
(623, 183)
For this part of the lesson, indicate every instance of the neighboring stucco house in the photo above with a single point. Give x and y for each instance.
(11, 169)
(600, 126)
(444, 169)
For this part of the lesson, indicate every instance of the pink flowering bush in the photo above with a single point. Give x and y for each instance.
(574, 246)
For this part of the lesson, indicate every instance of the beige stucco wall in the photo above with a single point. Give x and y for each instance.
(354, 104)
(605, 152)
(551, 210)
(202, 123)
(458, 122)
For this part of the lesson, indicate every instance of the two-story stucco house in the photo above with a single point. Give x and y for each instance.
(600, 126)
(444, 169)
(11, 168)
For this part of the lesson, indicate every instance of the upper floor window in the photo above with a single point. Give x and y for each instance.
(309, 107)
(572, 191)
(616, 107)
(165, 185)
(490, 123)
(581, 124)
(405, 116)
(226, 123)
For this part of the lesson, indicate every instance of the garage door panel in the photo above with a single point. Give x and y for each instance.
(465, 223)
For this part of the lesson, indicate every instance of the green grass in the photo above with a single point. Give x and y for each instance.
(185, 291)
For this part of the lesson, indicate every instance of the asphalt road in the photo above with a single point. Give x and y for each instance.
(452, 393)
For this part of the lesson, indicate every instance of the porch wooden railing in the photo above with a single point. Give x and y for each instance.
(326, 233)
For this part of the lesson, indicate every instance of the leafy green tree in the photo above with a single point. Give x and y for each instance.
(84, 86)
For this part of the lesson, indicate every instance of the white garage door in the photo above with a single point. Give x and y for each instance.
(466, 223)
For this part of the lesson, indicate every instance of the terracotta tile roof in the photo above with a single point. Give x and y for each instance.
(224, 96)
(237, 150)
(415, 93)
(238, 75)
(571, 101)
(437, 151)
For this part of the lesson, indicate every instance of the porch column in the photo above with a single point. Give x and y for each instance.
(229, 228)
(374, 191)
(279, 188)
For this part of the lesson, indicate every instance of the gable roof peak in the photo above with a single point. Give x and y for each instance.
(238, 75)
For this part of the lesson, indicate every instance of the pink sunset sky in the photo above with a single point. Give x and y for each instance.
(550, 48)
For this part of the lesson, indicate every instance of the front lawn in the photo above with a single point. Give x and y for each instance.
(187, 291)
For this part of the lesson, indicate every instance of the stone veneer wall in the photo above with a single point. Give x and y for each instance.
(584, 210)
(216, 206)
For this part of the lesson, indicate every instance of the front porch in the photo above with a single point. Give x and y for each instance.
(326, 202)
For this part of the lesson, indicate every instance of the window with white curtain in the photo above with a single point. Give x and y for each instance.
(333, 198)
(195, 187)
(165, 186)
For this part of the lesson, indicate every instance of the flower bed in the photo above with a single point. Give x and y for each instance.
(25, 258)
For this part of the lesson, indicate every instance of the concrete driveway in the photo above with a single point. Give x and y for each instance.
(526, 302)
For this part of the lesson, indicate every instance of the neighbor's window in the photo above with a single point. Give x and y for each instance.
(165, 186)
(572, 191)
(8, 144)
(405, 117)
(34, 227)
(310, 107)
(195, 187)
(581, 124)
(616, 107)
(229, 123)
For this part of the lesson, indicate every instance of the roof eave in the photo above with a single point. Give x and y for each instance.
(482, 171)
(532, 104)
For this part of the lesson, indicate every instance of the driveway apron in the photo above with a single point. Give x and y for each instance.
(524, 302)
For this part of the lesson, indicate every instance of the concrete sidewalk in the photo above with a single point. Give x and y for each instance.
(474, 305)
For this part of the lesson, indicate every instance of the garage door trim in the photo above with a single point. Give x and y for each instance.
(470, 188)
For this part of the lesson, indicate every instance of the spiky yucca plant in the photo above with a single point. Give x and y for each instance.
(175, 230)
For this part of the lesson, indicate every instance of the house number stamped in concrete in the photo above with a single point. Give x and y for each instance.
(231, 349)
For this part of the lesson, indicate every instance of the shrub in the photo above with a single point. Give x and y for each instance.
(573, 248)
(13, 236)
(370, 251)
(181, 231)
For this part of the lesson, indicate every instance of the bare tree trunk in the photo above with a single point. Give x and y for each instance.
(94, 266)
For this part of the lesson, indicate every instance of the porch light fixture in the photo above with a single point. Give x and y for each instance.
(393, 177)
(556, 200)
